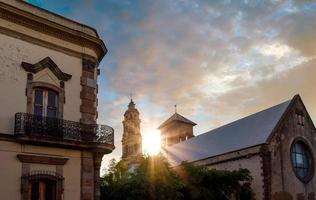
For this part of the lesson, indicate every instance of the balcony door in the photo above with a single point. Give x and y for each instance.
(42, 190)
(45, 102)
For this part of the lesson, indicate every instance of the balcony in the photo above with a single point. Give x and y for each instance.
(64, 131)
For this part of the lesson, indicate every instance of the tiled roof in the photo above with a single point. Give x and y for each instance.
(176, 117)
(249, 131)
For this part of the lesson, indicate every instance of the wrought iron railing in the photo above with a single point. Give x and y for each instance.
(29, 124)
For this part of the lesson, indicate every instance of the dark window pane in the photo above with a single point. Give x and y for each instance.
(52, 104)
(38, 110)
(51, 112)
(52, 99)
(301, 160)
(35, 191)
(38, 97)
(50, 190)
(38, 102)
(299, 148)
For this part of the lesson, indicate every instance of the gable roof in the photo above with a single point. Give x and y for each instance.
(246, 132)
(46, 63)
(176, 117)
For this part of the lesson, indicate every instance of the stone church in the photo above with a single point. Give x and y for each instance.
(277, 145)
(51, 147)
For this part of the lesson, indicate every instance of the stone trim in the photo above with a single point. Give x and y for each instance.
(54, 29)
(97, 160)
(230, 156)
(266, 174)
(89, 91)
(24, 158)
(46, 63)
(69, 144)
(87, 176)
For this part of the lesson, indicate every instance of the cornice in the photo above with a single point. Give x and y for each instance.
(51, 28)
(46, 63)
(42, 159)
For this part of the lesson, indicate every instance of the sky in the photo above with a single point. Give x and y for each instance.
(218, 60)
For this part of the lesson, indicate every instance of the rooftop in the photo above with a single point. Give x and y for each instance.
(246, 132)
(176, 117)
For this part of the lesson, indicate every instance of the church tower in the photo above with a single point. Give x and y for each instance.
(132, 139)
(176, 129)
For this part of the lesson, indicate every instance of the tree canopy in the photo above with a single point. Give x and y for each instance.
(153, 179)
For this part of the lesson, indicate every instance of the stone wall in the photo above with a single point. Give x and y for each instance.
(284, 183)
(176, 132)
(250, 159)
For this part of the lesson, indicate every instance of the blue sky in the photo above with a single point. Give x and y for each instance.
(217, 60)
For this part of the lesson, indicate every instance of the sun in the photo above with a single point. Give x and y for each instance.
(151, 143)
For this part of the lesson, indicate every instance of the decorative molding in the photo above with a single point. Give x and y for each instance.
(67, 144)
(24, 158)
(46, 63)
(54, 29)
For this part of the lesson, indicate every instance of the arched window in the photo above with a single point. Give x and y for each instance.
(45, 102)
(302, 160)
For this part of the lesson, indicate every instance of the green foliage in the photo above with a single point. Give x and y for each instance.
(154, 179)
(204, 183)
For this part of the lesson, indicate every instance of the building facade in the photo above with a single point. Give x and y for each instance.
(50, 144)
(277, 146)
(132, 139)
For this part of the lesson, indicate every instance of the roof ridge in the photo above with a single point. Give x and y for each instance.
(176, 117)
(235, 121)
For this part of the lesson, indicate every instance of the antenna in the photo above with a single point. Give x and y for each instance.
(175, 108)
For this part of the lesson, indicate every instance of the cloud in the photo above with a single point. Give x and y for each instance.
(218, 60)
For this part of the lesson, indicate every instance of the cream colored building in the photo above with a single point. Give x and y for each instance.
(50, 145)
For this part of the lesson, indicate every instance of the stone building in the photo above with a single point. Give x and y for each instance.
(50, 145)
(176, 129)
(277, 145)
(132, 139)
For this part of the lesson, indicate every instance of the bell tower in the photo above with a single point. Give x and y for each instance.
(176, 129)
(132, 139)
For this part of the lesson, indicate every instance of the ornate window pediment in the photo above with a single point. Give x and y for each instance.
(46, 63)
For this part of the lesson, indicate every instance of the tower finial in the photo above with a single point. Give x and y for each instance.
(175, 108)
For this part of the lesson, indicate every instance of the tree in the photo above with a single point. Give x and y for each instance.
(204, 183)
(154, 179)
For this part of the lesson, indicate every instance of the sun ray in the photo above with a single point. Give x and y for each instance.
(151, 143)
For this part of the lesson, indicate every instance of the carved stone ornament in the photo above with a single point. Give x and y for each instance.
(46, 63)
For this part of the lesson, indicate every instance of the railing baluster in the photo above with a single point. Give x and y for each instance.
(63, 129)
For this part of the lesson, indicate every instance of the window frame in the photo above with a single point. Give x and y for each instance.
(45, 101)
(31, 85)
(310, 156)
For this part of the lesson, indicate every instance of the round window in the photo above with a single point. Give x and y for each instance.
(302, 161)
